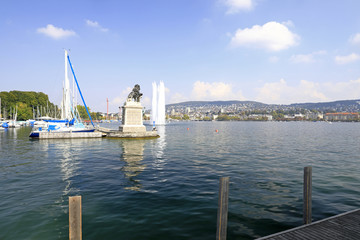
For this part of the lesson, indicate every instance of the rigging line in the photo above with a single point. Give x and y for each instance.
(72, 70)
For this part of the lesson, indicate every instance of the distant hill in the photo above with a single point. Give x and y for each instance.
(216, 103)
(338, 106)
(343, 105)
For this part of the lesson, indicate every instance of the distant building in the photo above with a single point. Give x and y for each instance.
(343, 116)
(147, 116)
(269, 117)
(314, 115)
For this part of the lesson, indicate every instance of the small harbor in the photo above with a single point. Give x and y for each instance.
(71, 126)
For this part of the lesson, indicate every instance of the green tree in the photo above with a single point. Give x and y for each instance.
(186, 117)
(223, 118)
(25, 101)
(24, 111)
(82, 112)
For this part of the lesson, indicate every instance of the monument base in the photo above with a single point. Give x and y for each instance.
(136, 135)
(132, 128)
(132, 119)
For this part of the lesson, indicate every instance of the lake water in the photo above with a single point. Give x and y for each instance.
(167, 188)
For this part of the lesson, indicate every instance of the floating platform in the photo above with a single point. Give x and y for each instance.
(62, 135)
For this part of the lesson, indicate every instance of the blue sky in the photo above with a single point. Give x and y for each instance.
(278, 51)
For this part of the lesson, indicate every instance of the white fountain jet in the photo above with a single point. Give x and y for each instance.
(158, 104)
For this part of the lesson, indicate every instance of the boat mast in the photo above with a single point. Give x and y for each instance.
(66, 94)
(72, 70)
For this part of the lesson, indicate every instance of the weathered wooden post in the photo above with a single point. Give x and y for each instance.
(307, 195)
(75, 225)
(222, 214)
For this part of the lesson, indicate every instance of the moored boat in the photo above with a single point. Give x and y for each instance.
(70, 121)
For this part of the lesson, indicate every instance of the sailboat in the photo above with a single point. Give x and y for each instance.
(1, 122)
(70, 121)
(13, 122)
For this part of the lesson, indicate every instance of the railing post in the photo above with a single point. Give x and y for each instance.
(222, 214)
(307, 195)
(75, 224)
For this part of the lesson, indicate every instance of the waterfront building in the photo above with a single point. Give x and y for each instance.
(343, 116)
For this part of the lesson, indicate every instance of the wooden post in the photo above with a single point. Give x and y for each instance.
(75, 225)
(222, 215)
(307, 195)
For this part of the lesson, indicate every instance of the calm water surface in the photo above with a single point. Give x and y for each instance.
(167, 188)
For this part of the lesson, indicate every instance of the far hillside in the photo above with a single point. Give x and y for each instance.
(335, 106)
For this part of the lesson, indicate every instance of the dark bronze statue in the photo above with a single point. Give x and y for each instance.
(135, 94)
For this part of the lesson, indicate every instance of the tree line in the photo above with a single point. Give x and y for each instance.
(25, 103)
(29, 105)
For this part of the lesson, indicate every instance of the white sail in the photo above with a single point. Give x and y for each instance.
(66, 102)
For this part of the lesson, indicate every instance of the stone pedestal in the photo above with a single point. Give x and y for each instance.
(132, 118)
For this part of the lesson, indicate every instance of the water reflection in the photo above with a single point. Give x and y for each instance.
(68, 167)
(159, 145)
(64, 151)
(133, 155)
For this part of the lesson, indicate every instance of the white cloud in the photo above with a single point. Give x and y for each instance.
(178, 97)
(273, 59)
(119, 100)
(96, 25)
(306, 58)
(343, 90)
(302, 58)
(146, 102)
(355, 39)
(214, 91)
(347, 59)
(288, 23)
(55, 32)
(272, 36)
(235, 6)
(281, 93)
(206, 21)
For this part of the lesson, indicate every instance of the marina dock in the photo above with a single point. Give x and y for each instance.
(66, 135)
(342, 226)
(98, 133)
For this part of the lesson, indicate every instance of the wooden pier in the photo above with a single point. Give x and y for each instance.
(343, 226)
